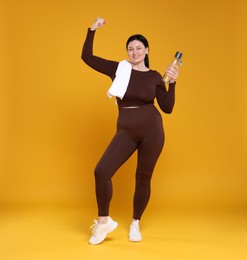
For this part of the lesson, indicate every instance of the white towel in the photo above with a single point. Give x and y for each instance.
(121, 81)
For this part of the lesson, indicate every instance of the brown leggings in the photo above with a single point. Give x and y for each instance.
(138, 129)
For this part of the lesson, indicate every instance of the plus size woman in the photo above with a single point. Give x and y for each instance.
(139, 126)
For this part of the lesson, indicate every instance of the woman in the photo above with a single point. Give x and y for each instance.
(139, 126)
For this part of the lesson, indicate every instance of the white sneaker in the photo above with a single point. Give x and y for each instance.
(134, 233)
(100, 231)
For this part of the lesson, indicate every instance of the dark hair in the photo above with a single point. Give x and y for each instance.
(142, 39)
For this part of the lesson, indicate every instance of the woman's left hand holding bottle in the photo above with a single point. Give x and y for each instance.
(172, 71)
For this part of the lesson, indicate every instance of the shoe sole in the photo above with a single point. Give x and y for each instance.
(105, 235)
(135, 240)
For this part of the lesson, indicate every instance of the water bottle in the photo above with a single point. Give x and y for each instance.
(175, 61)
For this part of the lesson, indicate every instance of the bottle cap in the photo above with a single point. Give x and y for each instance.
(178, 55)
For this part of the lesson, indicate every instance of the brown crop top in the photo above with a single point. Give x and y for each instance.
(144, 86)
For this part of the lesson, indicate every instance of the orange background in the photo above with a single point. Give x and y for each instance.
(56, 119)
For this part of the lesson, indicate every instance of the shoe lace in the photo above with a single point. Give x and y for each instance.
(134, 227)
(94, 226)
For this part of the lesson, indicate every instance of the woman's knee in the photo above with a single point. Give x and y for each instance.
(144, 177)
(98, 172)
(102, 173)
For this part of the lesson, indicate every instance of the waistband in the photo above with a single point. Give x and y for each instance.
(141, 111)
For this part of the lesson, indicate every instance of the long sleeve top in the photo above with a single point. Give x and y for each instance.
(143, 87)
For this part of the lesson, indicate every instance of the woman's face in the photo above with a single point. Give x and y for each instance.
(136, 51)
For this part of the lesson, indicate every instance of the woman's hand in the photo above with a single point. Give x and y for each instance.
(172, 71)
(99, 22)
